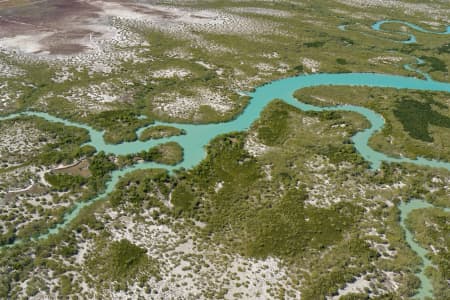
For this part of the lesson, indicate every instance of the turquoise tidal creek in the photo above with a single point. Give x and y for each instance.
(411, 37)
(199, 135)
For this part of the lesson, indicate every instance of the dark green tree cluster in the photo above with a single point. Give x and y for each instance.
(123, 262)
(100, 165)
(416, 117)
(65, 182)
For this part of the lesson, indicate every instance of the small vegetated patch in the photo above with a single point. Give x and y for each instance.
(125, 258)
(160, 131)
(416, 117)
(315, 44)
(122, 262)
(169, 153)
(341, 61)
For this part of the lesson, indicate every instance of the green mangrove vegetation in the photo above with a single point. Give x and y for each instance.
(160, 131)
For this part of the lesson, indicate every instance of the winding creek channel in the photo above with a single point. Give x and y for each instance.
(199, 135)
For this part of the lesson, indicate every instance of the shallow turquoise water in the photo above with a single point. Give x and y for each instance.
(198, 136)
